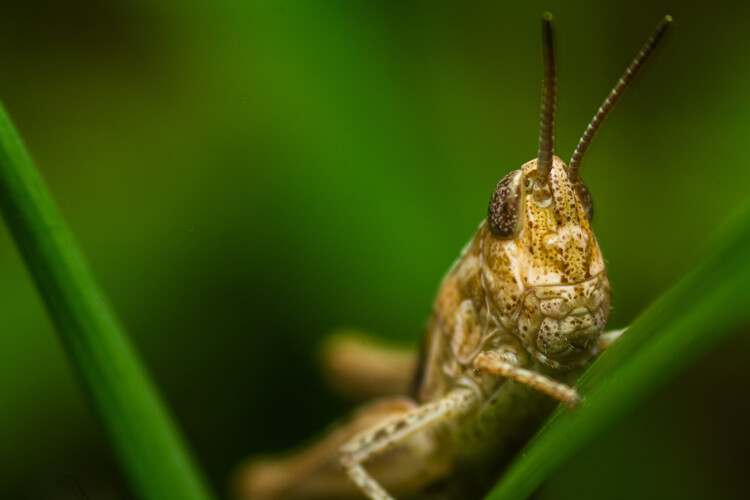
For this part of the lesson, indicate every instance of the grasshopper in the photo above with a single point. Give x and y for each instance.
(516, 317)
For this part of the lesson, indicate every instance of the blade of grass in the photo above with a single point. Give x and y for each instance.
(146, 442)
(706, 306)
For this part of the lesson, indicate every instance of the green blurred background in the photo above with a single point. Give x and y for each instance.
(245, 179)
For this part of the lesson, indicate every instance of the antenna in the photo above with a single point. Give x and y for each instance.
(614, 95)
(546, 135)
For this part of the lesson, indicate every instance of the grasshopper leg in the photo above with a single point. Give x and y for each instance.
(380, 438)
(315, 472)
(606, 339)
(362, 367)
(500, 363)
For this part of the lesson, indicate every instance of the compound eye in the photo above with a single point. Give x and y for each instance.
(505, 212)
(584, 198)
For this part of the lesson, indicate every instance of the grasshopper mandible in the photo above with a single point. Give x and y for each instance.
(521, 311)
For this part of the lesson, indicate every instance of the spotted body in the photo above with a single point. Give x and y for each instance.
(541, 298)
(514, 320)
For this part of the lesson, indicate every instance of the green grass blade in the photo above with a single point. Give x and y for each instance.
(705, 307)
(145, 440)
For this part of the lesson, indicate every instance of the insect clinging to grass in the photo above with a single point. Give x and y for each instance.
(516, 317)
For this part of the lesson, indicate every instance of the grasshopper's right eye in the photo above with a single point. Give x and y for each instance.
(505, 212)
(584, 198)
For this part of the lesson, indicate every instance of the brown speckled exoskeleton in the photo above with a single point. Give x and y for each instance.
(519, 313)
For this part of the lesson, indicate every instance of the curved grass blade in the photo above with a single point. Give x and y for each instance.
(703, 308)
(146, 442)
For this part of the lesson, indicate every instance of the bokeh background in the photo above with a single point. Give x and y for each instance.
(246, 178)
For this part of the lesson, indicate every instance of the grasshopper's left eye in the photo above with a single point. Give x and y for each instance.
(584, 198)
(505, 212)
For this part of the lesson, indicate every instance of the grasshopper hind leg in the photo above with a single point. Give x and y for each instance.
(315, 473)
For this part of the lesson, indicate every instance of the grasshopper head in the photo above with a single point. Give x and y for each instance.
(542, 268)
(542, 271)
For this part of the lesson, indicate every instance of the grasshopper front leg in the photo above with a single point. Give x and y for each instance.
(503, 363)
(379, 438)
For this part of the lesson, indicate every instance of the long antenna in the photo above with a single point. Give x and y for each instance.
(546, 136)
(614, 95)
